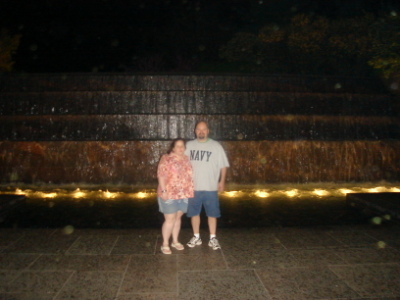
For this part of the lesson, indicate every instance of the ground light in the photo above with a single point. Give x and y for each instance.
(323, 191)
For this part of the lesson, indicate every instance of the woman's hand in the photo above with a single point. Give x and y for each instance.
(164, 196)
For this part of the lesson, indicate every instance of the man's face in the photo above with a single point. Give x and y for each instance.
(201, 131)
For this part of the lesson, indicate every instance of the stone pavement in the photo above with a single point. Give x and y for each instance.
(335, 262)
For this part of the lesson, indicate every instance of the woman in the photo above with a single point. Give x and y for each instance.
(175, 186)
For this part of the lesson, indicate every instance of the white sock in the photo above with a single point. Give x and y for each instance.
(212, 236)
(197, 235)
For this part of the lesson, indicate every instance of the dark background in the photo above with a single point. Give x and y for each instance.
(149, 35)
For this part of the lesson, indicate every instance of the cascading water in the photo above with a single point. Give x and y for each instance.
(112, 129)
(84, 148)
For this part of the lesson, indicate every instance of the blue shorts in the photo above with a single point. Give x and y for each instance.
(172, 206)
(207, 198)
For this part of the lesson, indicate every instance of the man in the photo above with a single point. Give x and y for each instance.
(209, 163)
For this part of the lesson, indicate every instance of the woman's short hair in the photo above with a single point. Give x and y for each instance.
(173, 143)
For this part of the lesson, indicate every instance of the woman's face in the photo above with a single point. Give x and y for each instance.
(179, 148)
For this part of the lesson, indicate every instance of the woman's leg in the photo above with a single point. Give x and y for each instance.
(167, 227)
(177, 227)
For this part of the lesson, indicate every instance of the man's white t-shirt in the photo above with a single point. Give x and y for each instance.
(207, 159)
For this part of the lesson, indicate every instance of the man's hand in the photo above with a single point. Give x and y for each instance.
(221, 186)
(221, 183)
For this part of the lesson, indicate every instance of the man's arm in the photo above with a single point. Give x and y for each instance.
(221, 183)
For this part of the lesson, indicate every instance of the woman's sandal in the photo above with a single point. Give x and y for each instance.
(178, 246)
(165, 250)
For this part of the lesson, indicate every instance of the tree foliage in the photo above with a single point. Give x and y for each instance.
(8, 46)
(386, 48)
(320, 45)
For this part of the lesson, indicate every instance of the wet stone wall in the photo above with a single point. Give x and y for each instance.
(112, 128)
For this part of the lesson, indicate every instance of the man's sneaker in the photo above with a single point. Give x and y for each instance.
(194, 241)
(213, 243)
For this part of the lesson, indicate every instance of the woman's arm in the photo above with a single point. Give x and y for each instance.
(161, 176)
(161, 183)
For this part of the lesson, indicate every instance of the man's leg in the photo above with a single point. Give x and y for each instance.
(194, 210)
(196, 224)
(195, 240)
(211, 205)
(213, 212)
(212, 225)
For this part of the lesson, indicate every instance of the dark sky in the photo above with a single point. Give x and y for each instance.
(147, 35)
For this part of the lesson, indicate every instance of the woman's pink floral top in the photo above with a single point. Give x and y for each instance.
(178, 176)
